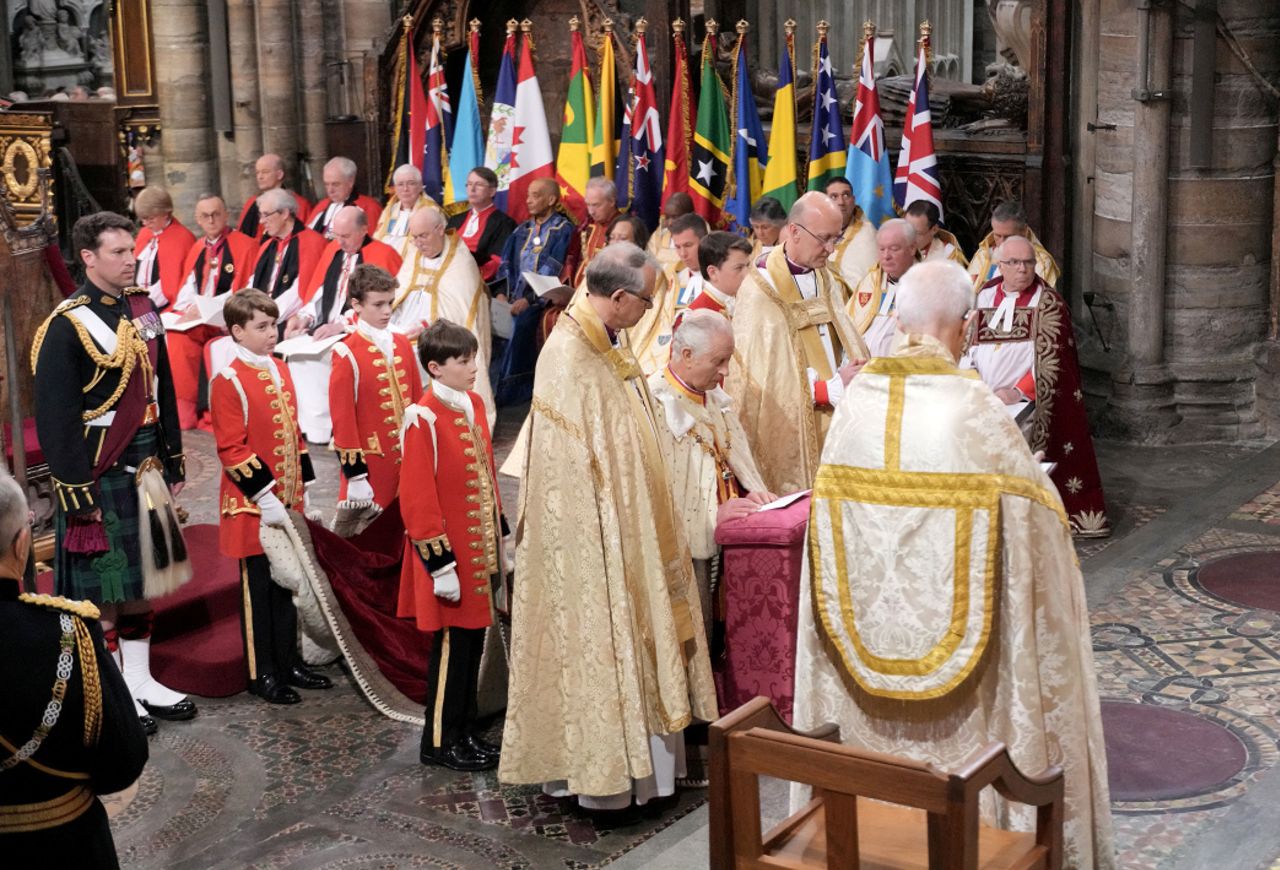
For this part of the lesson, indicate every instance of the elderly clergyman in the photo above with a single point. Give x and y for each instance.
(928, 495)
(872, 305)
(707, 451)
(609, 658)
(407, 197)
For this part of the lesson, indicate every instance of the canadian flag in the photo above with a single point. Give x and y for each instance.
(531, 155)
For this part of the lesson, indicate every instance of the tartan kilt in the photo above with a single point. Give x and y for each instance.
(115, 575)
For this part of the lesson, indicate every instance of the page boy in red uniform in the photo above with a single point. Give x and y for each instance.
(266, 470)
(373, 379)
(456, 540)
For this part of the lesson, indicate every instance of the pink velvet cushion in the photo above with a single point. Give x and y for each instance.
(780, 528)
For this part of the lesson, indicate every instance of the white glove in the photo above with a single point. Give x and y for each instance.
(509, 551)
(447, 586)
(273, 512)
(358, 489)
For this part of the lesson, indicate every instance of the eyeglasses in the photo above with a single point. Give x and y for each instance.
(825, 241)
(267, 214)
(1022, 264)
(647, 300)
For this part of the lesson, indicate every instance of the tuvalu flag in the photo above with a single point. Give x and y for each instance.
(497, 149)
(712, 141)
(917, 175)
(646, 139)
(679, 119)
(573, 161)
(748, 141)
(604, 136)
(530, 142)
(826, 142)
(781, 173)
(868, 164)
(467, 149)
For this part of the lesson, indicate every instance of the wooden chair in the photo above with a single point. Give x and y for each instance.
(869, 810)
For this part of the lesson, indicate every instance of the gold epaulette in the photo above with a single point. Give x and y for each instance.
(134, 291)
(82, 609)
(63, 307)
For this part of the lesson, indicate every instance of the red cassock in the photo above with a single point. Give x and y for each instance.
(451, 510)
(289, 260)
(171, 252)
(367, 398)
(591, 238)
(255, 425)
(704, 301)
(372, 251)
(251, 223)
(370, 206)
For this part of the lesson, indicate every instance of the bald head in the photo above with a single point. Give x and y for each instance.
(542, 197)
(812, 230)
(1017, 261)
(426, 229)
(268, 170)
(677, 204)
(896, 247)
(350, 225)
(701, 349)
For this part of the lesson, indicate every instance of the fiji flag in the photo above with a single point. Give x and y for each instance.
(868, 165)
(826, 142)
(647, 162)
(497, 149)
(749, 157)
(917, 176)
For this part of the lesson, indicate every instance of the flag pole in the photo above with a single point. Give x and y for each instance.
(402, 80)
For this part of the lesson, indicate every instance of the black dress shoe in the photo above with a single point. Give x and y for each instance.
(179, 712)
(305, 678)
(149, 726)
(480, 746)
(458, 756)
(271, 690)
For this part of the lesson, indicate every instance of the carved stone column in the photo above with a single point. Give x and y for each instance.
(365, 23)
(181, 45)
(246, 113)
(312, 23)
(276, 86)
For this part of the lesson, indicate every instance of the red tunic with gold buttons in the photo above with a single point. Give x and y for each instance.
(452, 514)
(367, 398)
(255, 425)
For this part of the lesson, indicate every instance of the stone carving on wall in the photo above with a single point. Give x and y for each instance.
(58, 44)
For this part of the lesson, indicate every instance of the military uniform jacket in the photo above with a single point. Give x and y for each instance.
(255, 425)
(49, 814)
(86, 356)
(452, 512)
(368, 394)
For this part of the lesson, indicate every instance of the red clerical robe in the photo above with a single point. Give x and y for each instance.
(210, 269)
(320, 216)
(591, 238)
(163, 261)
(251, 219)
(452, 513)
(374, 252)
(284, 267)
(367, 397)
(255, 425)
(1026, 342)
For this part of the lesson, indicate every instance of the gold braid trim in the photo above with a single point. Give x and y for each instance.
(38, 341)
(92, 688)
(349, 456)
(82, 609)
(130, 348)
(70, 494)
(436, 545)
(244, 469)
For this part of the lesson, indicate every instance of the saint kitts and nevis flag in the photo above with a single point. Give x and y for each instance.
(749, 156)
(679, 120)
(646, 142)
(917, 175)
(712, 143)
(781, 173)
(497, 149)
(868, 162)
(530, 143)
(826, 142)
(573, 161)
(466, 149)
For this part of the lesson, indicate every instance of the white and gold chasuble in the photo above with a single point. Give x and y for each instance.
(946, 606)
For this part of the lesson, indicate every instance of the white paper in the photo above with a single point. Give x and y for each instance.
(207, 311)
(540, 284)
(1015, 410)
(785, 501)
(306, 345)
(500, 319)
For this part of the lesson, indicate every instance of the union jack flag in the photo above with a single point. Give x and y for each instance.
(917, 175)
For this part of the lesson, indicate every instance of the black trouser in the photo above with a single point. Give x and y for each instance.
(268, 621)
(453, 677)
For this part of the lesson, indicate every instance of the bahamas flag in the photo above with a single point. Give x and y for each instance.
(826, 143)
(573, 160)
(712, 142)
(604, 137)
(748, 145)
(780, 175)
(467, 151)
(868, 164)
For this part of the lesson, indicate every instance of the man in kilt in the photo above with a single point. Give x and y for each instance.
(108, 426)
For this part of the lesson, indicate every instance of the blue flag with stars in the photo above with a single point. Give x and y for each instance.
(826, 143)
(749, 154)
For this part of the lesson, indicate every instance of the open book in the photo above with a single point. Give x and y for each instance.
(307, 346)
(540, 284)
(203, 311)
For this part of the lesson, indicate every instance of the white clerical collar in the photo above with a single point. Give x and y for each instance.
(383, 338)
(432, 261)
(458, 400)
(258, 361)
(724, 299)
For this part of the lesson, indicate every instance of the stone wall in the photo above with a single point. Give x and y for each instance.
(1175, 258)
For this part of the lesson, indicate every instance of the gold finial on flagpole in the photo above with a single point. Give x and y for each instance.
(607, 25)
(512, 26)
(789, 27)
(437, 26)
(642, 25)
(822, 28)
(574, 24)
(743, 27)
(677, 26)
(868, 30)
(475, 25)
(407, 21)
(713, 28)
(926, 40)
(526, 26)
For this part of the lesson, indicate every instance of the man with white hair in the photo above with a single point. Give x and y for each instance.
(927, 496)
(797, 348)
(287, 254)
(1024, 349)
(609, 658)
(339, 177)
(88, 743)
(601, 198)
(268, 173)
(872, 304)
(439, 280)
(406, 198)
(707, 452)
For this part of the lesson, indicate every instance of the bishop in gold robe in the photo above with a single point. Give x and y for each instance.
(945, 607)
(1008, 220)
(796, 347)
(608, 656)
(440, 280)
(407, 197)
